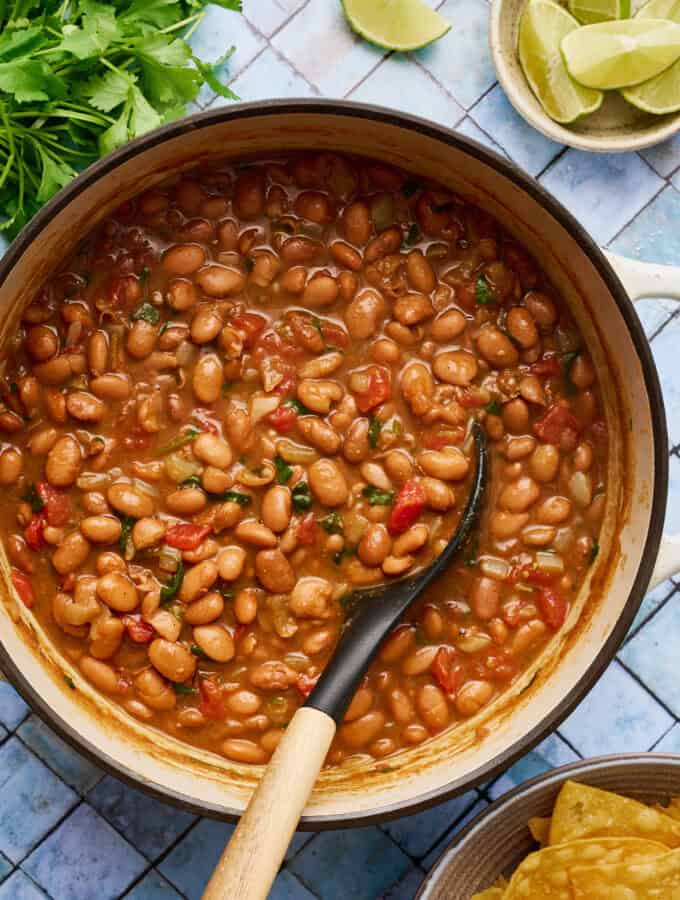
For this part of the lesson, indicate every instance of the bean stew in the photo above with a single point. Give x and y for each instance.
(250, 392)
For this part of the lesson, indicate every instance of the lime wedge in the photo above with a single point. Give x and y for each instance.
(590, 11)
(395, 24)
(618, 54)
(541, 29)
(661, 94)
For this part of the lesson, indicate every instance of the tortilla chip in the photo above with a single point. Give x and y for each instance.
(544, 875)
(540, 830)
(583, 811)
(496, 892)
(672, 810)
(656, 879)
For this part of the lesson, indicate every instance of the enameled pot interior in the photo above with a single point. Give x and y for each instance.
(636, 482)
(467, 866)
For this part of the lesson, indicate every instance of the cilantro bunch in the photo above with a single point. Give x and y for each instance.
(78, 78)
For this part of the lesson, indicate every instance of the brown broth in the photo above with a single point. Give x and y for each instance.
(263, 376)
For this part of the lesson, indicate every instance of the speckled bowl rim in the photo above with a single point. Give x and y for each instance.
(541, 121)
(580, 769)
(343, 108)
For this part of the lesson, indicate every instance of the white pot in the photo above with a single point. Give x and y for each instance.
(631, 540)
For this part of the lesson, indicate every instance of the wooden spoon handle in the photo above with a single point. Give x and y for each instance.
(251, 859)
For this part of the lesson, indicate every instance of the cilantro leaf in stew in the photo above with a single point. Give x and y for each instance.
(249, 393)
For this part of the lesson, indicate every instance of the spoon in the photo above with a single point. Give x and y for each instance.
(251, 859)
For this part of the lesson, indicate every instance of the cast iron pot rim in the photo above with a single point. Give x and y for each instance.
(580, 767)
(606, 653)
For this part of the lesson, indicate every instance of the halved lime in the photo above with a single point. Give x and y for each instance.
(661, 94)
(618, 54)
(395, 24)
(590, 11)
(541, 29)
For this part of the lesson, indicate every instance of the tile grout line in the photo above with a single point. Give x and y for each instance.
(633, 633)
(646, 689)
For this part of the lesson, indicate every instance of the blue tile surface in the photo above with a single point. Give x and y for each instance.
(364, 861)
(119, 843)
(189, 864)
(153, 887)
(20, 887)
(85, 851)
(604, 190)
(70, 766)
(149, 825)
(13, 710)
(617, 716)
(461, 61)
(33, 800)
(522, 143)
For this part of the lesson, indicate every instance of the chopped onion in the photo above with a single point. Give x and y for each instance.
(298, 661)
(144, 486)
(354, 526)
(261, 406)
(550, 563)
(295, 453)
(169, 558)
(473, 641)
(273, 370)
(494, 567)
(581, 489)
(264, 475)
(563, 539)
(92, 481)
(382, 211)
(178, 468)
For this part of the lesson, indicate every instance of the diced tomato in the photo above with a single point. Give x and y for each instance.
(531, 575)
(212, 702)
(23, 586)
(34, 530)
(137, 439)
(57, 504)
(305, 684)
(447, 669)
(307, 529)
(437, 440)
(186, 537)
(500, 667)
(471, 398)
(272, 343)
(547, 367)
(283, 419)
(553, 607)
(379, 389)
(251, 325)
(239, 631)
(139, 632)
(287, 385)
(556, 425)
(334, 335)
(465, 295)
(408, 505)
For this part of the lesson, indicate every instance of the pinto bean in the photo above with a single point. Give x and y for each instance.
(71, 553)
(328, 483)
(518, 496)
(363, 730)
(449, 464)
(63, 462)
(148, 532)
(321, 290)
(249, 194)
(205, 610)
(215, 641)
(11, 466)
(412, 309)
(172, 660)
(364, 315)
(111, 386)
(130, 500)
(356, 224)
(276, 508)
(320, 434)
(420, 272)
(245, 606)
(154, 691)
(103, 529)
(102, 675)
(455, 367)
(118, 592)
(388, 241)
(198, 581)
(496, 348)
(230, 562)
(375, 545)
(432, 707)
(274, 571)
(85, 406)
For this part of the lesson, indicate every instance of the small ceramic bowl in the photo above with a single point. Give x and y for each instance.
(498, 839)
(615, 127)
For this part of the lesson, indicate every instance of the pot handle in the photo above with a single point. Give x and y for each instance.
(643, 279)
